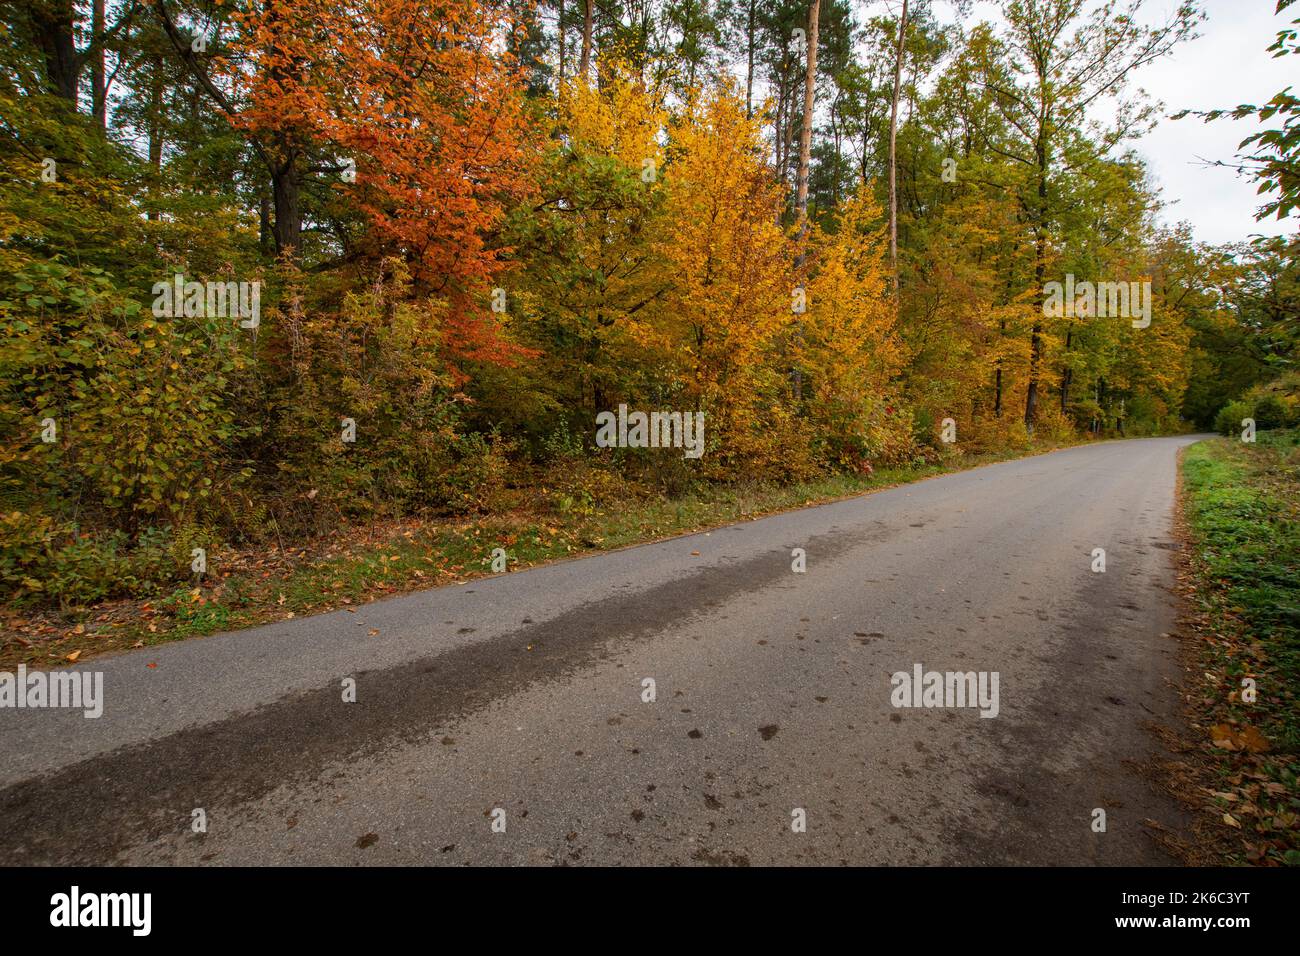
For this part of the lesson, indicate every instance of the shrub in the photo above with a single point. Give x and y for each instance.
(1228, 421)
(139, 403)
(584, 485)
(476, 478)
(1270, 412)
(44, 563)
(25, 553)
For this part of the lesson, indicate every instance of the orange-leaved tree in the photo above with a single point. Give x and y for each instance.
(415, 110)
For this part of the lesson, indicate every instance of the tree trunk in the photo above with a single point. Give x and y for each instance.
(779, 131)
(154, 124)
(1031, 393)
(264, 223)
(1067, 374)
(288, 215)
(54, 31)
(809, 101)
(559, 28)
(1040, 273)
(585, 62)
(893, 147)
(835, 133)
(749, 62)
(863, 166)
(282, 159)
(805, 156)
(99, 85)
(997, 398)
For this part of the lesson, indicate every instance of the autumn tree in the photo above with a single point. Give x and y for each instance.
(1056, 60)
(728, 310)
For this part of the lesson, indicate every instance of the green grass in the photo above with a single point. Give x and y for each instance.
(1242, 505)
(1243, 510)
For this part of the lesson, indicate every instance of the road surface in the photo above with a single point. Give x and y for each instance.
(505, 721)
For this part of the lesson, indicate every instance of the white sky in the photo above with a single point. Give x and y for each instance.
(1225, 66)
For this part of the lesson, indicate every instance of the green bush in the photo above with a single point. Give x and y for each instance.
(1228, 421)
(588, 483)
(1270, 412)
(477, 475)
(25, 552)
(44, 563)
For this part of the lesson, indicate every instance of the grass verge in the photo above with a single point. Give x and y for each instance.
(1240, 509)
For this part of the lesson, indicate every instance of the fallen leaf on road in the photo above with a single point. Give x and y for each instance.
(72, 658)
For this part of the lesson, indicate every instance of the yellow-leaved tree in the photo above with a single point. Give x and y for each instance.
(729, 306)
(847, 348)
(591, 275)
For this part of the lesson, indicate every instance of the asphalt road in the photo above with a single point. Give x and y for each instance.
(524, 693)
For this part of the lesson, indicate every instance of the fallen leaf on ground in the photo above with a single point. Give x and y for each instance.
(1221, 735)
(1254, 741)
(1248, 738)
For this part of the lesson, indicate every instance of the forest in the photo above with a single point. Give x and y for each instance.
(269, 268)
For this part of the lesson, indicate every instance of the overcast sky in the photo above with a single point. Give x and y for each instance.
(1227, 65)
